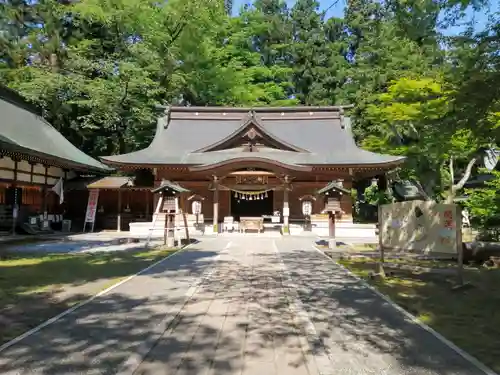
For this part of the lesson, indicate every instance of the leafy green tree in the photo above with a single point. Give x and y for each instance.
(318, 53)
(484, 203)
(265, 31)
(416, 120)
(379, 52)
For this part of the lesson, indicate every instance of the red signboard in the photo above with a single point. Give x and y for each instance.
(448, 219)
(92, 206)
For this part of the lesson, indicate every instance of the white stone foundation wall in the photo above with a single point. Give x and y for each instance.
(345, 230)
(342, 230)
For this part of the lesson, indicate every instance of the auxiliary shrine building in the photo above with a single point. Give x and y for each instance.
(34, 157)
(232, 163)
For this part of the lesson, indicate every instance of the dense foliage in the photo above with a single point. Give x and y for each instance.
(98, 68)
(484, 206)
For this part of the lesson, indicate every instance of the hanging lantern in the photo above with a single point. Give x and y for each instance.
(235, 194)
(257, 197)
(251, 198)
(266, 194)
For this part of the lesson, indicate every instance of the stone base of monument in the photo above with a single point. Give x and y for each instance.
(332, 243)
(170, 242)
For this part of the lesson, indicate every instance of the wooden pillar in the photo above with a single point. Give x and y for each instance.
(184, 218)
(15, 209)
(332, 242)
(216, 205)
(119, 215)
(166, 228)
(44, 193)
(147, 203)
(286, 207)
(32, 166)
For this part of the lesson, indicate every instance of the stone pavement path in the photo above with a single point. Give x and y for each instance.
(239, 305)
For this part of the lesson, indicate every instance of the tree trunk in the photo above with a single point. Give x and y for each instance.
(184, 219)
(454, 188)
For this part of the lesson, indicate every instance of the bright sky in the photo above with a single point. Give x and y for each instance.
(337, 10)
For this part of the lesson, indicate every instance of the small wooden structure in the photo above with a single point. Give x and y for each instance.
(332, 194)
(117, 184)
(252, 223)
(34, 157)
(168, 204)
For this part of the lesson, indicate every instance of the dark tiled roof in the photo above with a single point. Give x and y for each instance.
(23, 130)
(323, 133)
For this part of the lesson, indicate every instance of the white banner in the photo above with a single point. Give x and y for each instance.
(59, 190)
(92, 206)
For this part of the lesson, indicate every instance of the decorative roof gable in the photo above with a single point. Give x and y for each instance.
(215, 136)
(251, 136)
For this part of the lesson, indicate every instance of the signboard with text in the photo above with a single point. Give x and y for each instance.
(423, 226)
(169, 204)
(332, 205)
(91, 207)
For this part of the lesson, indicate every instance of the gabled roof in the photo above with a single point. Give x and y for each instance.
(111, 182)
(24, 131)
(333, 186)
(194, 136)
(250, 129)
(169, 187)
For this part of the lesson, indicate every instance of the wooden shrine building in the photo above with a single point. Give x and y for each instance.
(34, 156)
(255, 162)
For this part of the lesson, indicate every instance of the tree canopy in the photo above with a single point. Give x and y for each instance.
(98, 68)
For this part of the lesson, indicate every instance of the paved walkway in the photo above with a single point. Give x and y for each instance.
(242, 305)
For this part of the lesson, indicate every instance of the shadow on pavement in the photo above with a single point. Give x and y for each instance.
(240, 315)
(99, 336)
(363, 327)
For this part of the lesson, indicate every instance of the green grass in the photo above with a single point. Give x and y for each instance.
(34, 287)
(359, 247)
(469, 318)
(30, 273)
(364, 247)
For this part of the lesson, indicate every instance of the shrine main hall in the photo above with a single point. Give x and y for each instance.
(232, 163)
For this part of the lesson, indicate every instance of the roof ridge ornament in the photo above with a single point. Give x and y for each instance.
(342, 116)
(251, 115)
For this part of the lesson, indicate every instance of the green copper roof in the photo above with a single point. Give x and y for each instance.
(23, 130)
